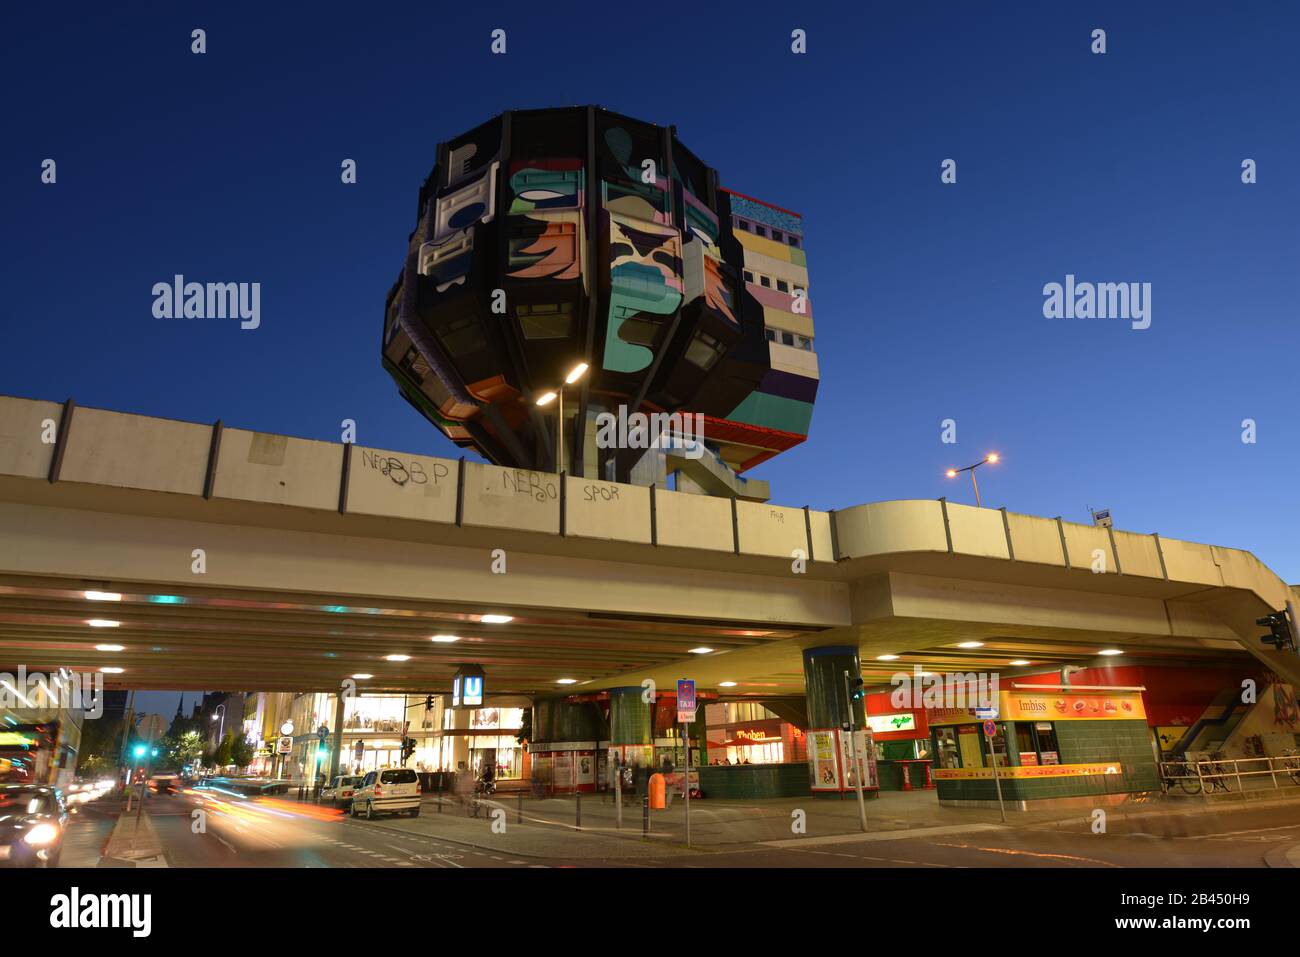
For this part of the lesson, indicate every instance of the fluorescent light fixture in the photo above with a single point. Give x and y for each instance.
(111, 671)
(1020, 661)
(362, 677)
(444, 639)
(103, 623)
(701, 650)
(110, 647)
(103, 596)
(726, 684)
(566, 681)
(971, 644)
(1110, 651)
(496, 619)
(886, 657)
(397, 657)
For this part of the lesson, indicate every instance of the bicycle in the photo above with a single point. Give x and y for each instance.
(1210, 772)
(1291, 764)
(1184, 773)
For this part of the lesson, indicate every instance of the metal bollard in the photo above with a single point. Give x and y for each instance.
(645, 815)
(519, 810)
(577, 808)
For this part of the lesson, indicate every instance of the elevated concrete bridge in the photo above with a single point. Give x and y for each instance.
(250, 560)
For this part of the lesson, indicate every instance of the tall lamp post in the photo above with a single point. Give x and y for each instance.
(546, 398)
(991, 459)
(221, 728)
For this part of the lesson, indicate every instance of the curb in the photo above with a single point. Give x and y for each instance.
(1282, 856)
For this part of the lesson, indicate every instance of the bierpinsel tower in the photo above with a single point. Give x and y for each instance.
(580, 294)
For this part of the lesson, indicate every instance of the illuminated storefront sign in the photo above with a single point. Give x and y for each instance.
(887, 723)
(1032, 771)
(1051, 706)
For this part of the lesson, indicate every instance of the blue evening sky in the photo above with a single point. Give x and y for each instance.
(927, 297)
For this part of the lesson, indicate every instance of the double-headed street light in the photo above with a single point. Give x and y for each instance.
(990, 459)
(549, 396)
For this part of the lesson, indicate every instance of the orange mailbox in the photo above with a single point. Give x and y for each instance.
(657, 789)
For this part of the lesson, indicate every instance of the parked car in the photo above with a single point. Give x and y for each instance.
(32, 823)
(339, 791)
(387, 791)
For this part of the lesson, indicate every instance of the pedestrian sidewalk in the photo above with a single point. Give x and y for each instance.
(549, 827)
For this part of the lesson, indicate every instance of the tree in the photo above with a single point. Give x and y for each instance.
(221, 757)
(525, 727)
(241, 752)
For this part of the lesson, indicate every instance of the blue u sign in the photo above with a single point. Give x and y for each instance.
(473, 690)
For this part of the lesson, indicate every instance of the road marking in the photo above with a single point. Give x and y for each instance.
(1015, 853)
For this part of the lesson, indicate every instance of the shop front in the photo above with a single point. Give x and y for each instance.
(902, 740)
(1049, 743)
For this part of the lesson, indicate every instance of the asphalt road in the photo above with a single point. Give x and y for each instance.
(278, 834)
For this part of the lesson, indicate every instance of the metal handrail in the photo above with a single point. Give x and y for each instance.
(1289, 763)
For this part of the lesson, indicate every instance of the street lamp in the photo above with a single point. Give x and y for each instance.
(549, 396)
(991, 459)
(221, 728)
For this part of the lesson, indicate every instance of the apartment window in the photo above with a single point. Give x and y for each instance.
(703, 350)
(765, 281)
(777, 235)
(771, 335)
(741, 224)
(546, 321)
(782, 285)
(759, 230)
(787, 338)
(749, 276)
(793, 241)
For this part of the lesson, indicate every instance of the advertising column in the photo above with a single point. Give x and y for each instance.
(829, 770)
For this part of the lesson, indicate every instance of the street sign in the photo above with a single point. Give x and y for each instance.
(1101, 518)
(323, 732)
(151, 728)
(986, 714)
(285, 746)
(286, 728)
(685, 700)
(990, 729)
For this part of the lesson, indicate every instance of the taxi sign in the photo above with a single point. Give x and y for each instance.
(685, 700)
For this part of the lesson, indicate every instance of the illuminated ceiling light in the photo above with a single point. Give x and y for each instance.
(971, 644)
(167, 599)
(103, 623)
(566, 681)
(103, 596)
(701, 650)
(363, 676)
(397, 657)
(111, 671)
(546, 398)
(496, 619)
(726, 684)
(1110, 651)
(886, 657)
(110, 647)
(1019, 662)
(445, 639)
(575, 373)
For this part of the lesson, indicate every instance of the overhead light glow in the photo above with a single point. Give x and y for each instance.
(445, 639)
(566, 681)
(726, 684)
(103, 623)
(397, 657)
(111, 671)
(886, 657)
(701, 650)
(546, 398)
(971, 644)
(1110, 651)
(103, 596)
(362, 677)
(1020, 662)
(496, 619)
(992, 457)
(951, 473)
(575, 373)
(110, 647)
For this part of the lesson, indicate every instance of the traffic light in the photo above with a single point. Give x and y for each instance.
(428, 702)
(139, 751)
(1279, 630)
(857, 691)
(408, 749)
